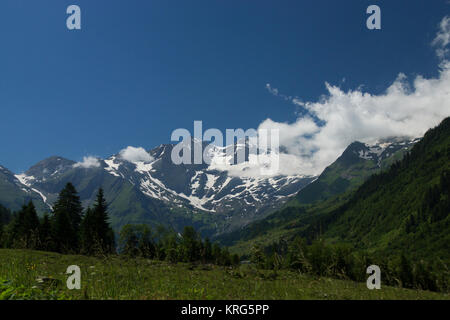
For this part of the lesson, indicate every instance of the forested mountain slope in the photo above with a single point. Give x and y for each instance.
(404, 209)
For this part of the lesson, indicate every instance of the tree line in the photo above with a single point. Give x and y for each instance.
(164, 244)
(70, 229)
(309, 253)
(342, 261)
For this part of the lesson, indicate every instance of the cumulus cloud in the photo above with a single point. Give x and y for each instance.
(88, 162)
(135, 154)
(320, 135)
(402, 111)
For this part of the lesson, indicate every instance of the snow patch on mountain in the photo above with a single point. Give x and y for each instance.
(27, 181)
(384, 149)
(201, 186)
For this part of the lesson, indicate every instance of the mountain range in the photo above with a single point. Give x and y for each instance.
(156, 191)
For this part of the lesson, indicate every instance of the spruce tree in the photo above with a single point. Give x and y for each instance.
(207, 251)
(2, 223)
(67, 216)
(191, 244)
(1, 218)
(24, 232)
(17, 234)
(216, 253)
(1, 227)
(5, 216)
(128, 241)
(171, 248)
(63, 234)
(31, 226)
(257, 256)
(146, 245)
(103, 233)
(87, 233)
(45, 237)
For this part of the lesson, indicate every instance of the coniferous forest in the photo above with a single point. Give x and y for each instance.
(69, 229)
(397, 219)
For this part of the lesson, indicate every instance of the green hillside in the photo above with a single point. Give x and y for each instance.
(404, 209)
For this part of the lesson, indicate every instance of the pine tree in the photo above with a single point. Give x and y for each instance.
(1, 218)
(67, 216)
(31, 219)
(146, 245)
(207, 251)
(5, 216)
(225, 257)
(172, 249)
(87, 233)
(25, 228)
(216, 253)
(191, 244)
(2, 223)
(31, 226)
(16, 237)
(257, 256)
(45, 236)
(102, 232)
(62, 232)
(128, 241)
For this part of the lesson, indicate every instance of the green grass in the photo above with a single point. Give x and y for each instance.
(118, 278)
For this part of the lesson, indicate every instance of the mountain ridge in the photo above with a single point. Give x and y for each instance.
(156, 190)
(402, 210)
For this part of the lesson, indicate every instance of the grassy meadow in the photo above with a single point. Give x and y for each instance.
(118, 278)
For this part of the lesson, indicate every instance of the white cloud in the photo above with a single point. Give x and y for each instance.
(276, 92)
(88, 162)
(133, 154)
(272, 90)
(443, 38)
(402, 110)
(258, 165)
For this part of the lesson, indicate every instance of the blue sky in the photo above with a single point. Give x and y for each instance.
(140, 69)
